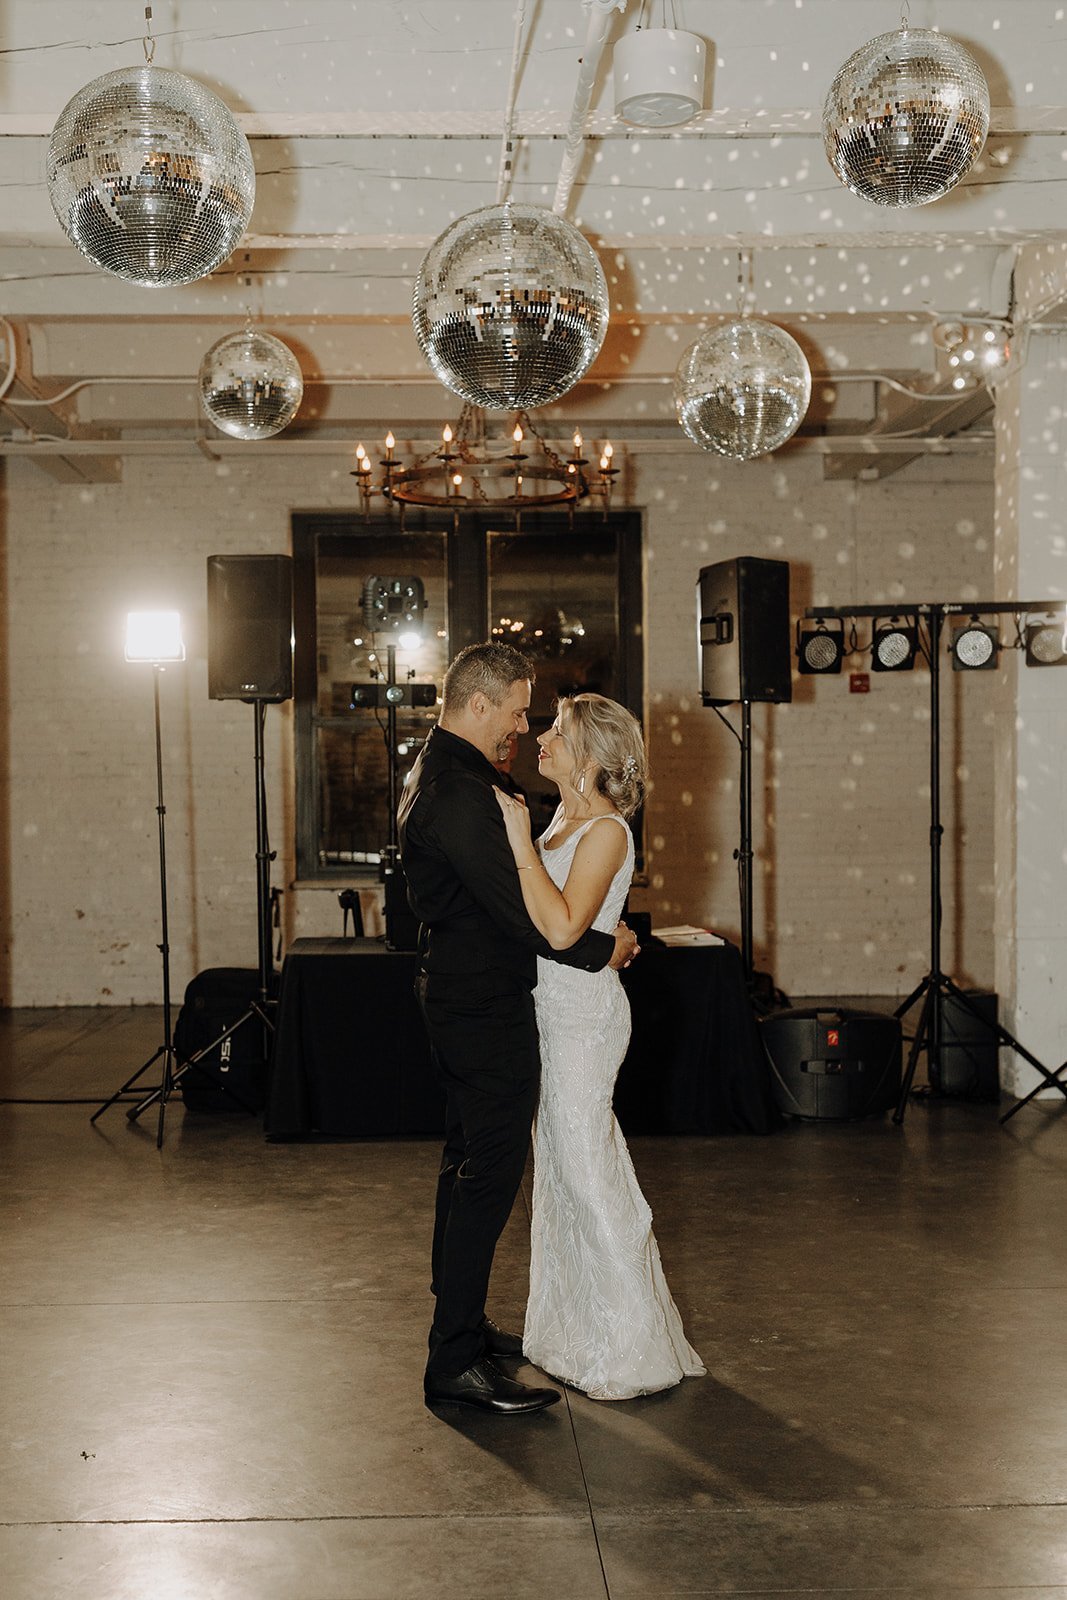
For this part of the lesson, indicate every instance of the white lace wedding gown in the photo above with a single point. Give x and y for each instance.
(600, 1316)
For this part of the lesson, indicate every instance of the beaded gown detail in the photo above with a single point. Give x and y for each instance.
(600, 1316)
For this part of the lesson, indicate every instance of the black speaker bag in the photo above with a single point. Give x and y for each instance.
(250, 627)
(743, 619)
(969, 1067)
(834, 1064)
(232, 1076)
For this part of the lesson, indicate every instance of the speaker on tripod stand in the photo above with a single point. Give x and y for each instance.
(745, 655)
(226, 1026)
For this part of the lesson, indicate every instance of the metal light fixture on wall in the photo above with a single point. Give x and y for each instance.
(150, 176)
(251, 385)
(906, 117)
(976, 351)
(510, 307)
(742, 389)
(659, 77)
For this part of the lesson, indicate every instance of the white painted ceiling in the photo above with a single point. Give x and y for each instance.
(374, 124)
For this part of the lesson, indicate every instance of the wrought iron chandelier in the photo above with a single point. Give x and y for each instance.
(470, 472)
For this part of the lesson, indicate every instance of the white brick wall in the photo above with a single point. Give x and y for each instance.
(840, 782)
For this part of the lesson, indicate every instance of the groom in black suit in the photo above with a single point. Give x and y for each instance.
(477, 950)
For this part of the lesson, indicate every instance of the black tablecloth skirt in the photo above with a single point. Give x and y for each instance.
(351, 1056)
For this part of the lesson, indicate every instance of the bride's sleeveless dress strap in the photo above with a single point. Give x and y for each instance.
(603, 814)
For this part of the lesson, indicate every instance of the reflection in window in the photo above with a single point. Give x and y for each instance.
(568, 593)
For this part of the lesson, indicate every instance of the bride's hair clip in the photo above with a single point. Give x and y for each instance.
(629, 767)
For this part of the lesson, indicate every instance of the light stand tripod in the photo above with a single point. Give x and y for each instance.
(156, 638)
(259, 1010)
(937, 984)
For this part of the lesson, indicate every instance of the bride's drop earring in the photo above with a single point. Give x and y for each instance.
(580, 785)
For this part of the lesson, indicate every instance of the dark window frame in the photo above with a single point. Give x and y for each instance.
(467, 544)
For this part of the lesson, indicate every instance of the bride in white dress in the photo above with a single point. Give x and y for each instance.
(600, 1315)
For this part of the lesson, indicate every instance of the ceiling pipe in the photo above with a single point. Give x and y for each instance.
(596, 37)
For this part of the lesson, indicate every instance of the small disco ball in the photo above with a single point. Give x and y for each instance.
(150, 176)
(251, 385)
(906, 118)
(510, 307)
(742, 389)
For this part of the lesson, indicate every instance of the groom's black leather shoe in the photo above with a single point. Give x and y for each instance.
(499, 1343)
(484, 1386)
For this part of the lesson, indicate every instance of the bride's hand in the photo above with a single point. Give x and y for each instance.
(516, 821)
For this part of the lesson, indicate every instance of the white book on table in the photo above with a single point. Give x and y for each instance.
(686, 934)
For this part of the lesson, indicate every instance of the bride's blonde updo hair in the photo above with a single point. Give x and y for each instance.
(606, 735)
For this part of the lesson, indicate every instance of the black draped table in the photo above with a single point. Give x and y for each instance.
(351, 1056)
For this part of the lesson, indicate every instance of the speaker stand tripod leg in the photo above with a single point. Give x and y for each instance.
(1010, 1042)
(921, 1034)
(128, 1085)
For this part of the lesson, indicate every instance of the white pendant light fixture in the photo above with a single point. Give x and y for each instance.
(659, 77)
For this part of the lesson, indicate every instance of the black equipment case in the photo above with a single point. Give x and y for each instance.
(230, 1073)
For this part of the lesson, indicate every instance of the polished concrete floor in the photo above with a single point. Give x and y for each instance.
(211, 1362)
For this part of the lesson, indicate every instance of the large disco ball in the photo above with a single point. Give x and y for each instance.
(906, 117)
(251, 385)
(742, 389)
(510, 307)
(150, 176)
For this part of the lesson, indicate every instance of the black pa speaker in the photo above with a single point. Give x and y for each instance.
(968, 1068)
(743, 621)
(838, 1065)
(250, 627)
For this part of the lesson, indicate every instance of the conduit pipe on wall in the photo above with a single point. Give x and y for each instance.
(596, 37)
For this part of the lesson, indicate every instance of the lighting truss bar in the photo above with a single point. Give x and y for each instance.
(947, 608)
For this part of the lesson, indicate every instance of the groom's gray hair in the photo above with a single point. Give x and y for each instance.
(488, 669)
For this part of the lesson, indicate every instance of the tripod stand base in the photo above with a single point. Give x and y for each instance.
(935, 988)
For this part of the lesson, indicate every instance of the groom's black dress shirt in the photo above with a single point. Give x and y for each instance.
(462, 882)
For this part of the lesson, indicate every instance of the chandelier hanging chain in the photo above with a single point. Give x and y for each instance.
(507, 147)
(148, 41)
(905, 15)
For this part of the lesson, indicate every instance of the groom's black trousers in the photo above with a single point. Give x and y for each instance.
(484, 1037)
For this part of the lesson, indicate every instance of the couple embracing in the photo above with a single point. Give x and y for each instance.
(501, 915)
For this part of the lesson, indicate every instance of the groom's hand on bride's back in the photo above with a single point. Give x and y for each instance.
(626, 947)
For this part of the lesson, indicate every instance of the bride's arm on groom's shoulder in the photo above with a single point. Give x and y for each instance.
(562, 916)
